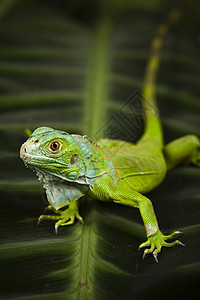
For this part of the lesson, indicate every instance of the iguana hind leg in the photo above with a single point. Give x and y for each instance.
(183, 151)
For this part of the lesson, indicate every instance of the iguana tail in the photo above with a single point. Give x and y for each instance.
(153, 127)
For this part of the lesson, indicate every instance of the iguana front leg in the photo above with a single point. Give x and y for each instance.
(155, 239)
(65, 217)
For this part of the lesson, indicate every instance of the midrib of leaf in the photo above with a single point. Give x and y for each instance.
(85, 262)
(97, 92)
(87, 259)
(94, 117)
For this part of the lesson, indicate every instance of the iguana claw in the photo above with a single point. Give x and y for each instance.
(156, 241)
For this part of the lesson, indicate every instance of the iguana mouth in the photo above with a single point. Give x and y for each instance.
(32, 161)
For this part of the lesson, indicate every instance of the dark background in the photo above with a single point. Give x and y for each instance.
(79, 66)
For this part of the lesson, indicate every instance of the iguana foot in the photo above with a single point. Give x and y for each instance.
(65, 217)
(156, 241)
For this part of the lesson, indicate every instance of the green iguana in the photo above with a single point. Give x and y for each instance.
(70, 166)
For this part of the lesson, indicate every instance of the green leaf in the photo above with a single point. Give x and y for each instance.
(73, 65)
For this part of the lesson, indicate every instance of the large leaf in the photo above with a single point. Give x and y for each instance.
(71, 65)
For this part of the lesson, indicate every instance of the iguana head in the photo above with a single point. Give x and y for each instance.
(54, 152)
(68, 157)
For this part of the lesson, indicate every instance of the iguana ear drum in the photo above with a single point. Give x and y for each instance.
(73, 159)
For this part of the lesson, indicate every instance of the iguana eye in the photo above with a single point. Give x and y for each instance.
(55, 146)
